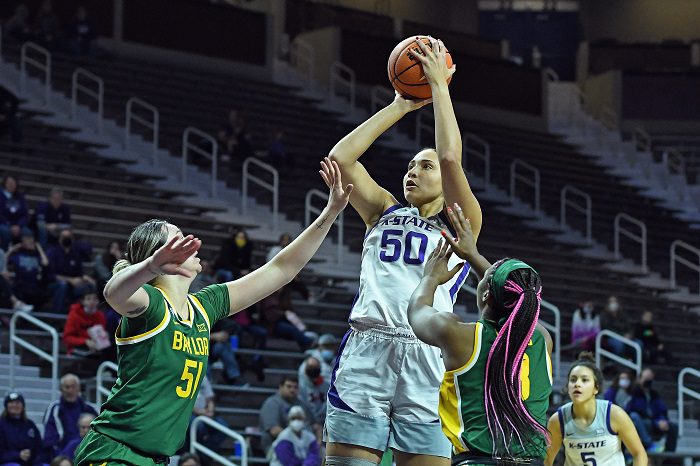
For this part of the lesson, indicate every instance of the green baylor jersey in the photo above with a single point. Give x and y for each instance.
(161, 360)
(462, 408)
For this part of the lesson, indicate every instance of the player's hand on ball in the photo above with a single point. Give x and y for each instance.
(409, 105)
(338, 197)
(465, 244)
(169, 258)
(436, 266)
(434, 62)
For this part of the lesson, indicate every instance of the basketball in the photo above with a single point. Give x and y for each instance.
(406, 73)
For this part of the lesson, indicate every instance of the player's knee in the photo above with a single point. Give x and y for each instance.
(348, 461)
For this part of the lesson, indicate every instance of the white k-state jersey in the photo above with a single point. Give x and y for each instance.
(393, 257)
(597, 444)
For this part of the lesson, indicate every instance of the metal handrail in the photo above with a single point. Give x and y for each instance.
(533, 182)
(44, 66)
(551, 75)
(422, 127)
(336, 77)
(554, 328)
(196, 446)
(683, 390)
(642, 140)
(154, 125)
(601, 352)
(272, 187)
(17, 340)
(212, 155)
(99, 381)
(640, 238)
(97, 95)
(339, 222)
(587, 209)
(677, 259)
(481, 151)
(302, 55)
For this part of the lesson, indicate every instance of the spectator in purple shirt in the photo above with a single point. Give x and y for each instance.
(295, 446)
(13, 212)
(66, 266)
(52, 216)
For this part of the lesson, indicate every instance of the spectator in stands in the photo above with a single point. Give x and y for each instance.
(282, 242)
(84, 422)
(647, 336)
(17, 28)
(9, 122)
(278, 153)
(47, 25)
(220, 349)
(246, 325)
(104, 263)
(189, 459)
(614, 318)
(51, 217)
(61, 418)
(620, 391)
(20, 440)
(61, 460)
(79, 333)
(585, 325)
(204, 278)
(205, 406)
(650, 415)
(235, 139)
(30, 266)
(277, 313)
(313, 387)
(81, 33)
(325, 353)
(7, 294)
(14, 215)
(295, 446)
(66, 266)
(275, 409)
(235, 257)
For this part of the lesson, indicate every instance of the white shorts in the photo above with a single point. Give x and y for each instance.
(384, 393)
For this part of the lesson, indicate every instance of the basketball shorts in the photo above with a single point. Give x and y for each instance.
(384, 393)
(100, 450)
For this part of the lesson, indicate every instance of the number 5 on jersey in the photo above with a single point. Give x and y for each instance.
(192, 380)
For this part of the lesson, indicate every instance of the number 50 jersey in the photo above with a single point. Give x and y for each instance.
(162, 360)
(393, 257)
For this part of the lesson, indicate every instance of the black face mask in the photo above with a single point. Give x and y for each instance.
(647, 384)
(67, 242)
(313, 372)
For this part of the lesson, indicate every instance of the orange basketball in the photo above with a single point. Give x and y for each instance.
(406, 73)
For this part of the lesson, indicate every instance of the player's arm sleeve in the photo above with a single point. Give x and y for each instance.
(216, 302)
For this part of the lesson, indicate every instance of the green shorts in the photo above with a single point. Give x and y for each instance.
(100, 450)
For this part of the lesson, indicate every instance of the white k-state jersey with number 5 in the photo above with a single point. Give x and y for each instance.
(393, 257)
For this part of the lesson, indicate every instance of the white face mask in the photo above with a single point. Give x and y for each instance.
(624, 383)
(614, 306)
(296, 425)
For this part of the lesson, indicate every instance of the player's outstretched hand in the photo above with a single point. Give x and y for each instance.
(169, 258)
(465, 244)
(433, 61)
(436, 266)
(339, 196)
(409, 105)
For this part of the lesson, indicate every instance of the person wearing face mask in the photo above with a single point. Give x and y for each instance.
(313, 388)
(615, 319)
(650, 416)
(82, 316)
(620, 392)
(585, 325)
(235, 257)
(295, 446)
(325, 353)
(66, 266)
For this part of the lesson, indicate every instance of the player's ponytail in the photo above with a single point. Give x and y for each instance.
(515, 290)
(143, 242)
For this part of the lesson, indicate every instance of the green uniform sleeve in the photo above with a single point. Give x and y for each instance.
(149, 319)
(215, 300)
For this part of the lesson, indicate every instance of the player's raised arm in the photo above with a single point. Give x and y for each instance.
(448, 140)
(290, 260)
(368, 198)
(123, 291)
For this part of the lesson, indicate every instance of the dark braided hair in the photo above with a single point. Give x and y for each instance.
(516, 306)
